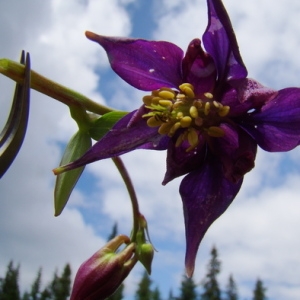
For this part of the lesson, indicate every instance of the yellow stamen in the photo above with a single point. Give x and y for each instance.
(153, 122)
(172, 111)
(165, 102)
(192, 138)
(215, 131)
(223, 111)
(180, 139)
(188, 90)
(184, 85)
(217, 104)
(185, 121)
(208, 95)
(166, 94)
(174, 128)
(179, 115)
(165, 128)
(147, 100)
(207, 108)
(194, 111)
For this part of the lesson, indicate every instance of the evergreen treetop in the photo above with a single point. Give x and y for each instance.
(211, 289)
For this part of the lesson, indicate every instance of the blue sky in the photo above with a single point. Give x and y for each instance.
(255, 237)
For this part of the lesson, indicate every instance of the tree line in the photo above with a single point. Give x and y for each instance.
(209, 286)
(60, 286)
(58, 289)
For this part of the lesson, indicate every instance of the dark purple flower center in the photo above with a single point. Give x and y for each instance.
(172, 111)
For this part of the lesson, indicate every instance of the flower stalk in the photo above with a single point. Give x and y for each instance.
(15, 71)
(133, 198)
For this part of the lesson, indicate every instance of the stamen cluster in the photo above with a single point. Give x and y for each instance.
(172, 111)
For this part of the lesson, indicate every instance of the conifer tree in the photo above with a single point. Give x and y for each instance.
(144, 292)
(114, 232)
(59, 288)
(231, 291)
(211, 290)
(259, 292)
(118, 294)
(10, 283)
(35, 288)
(171, 297)
(156, 294)
(187, 289)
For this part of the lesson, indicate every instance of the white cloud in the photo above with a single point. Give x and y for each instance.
(255, 237)
(53, 33)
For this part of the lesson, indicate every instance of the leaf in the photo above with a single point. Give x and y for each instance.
(65, 182)
(102, 125)
(13, 133)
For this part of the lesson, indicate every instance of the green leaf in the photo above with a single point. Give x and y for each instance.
(65, 182)
(102, 125)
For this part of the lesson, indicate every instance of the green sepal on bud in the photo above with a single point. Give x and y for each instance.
(65, 182)
(145, 255)
(145, 251)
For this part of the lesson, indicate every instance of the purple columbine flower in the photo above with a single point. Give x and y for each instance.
(204, 111)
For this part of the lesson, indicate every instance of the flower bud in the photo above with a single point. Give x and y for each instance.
(145, 254)
(100, 276)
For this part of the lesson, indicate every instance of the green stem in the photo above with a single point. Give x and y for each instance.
(130, 188)
(50, 88)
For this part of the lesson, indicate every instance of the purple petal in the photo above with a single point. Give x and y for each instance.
(181, 162)
(244, 95)
(206, 194)
(220, 42)
(276, 127)
(199, 68)
(236, 150)
(146, 65)
(119, 140)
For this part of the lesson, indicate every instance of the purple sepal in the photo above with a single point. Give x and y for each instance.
(220, 42)
(146, 65)
(205, 194)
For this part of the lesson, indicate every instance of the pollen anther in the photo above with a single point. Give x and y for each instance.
(184, 116)
(223, 111)
(215, 131)
(186, 121)
(208, 95)
(194, 112)
(165, 102)
(206, 108)
(166, 94)
(153, 122)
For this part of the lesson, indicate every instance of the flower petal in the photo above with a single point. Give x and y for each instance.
(181, 162)
(236, 150)
(206, 194)
(199, 68)
(146, 65)
(220, 42)
(276, 126)
(244, 95)
(119, 140)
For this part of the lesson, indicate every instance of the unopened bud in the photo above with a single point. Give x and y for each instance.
(102, 274)
(145, 255)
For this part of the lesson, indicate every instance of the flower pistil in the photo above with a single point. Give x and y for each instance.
(172, 110)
